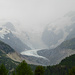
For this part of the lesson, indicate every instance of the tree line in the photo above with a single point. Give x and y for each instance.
(24, 69)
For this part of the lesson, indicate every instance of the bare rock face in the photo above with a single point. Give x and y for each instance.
(7, 52)
(7, 36)
(52, 56)
(56, 55)
(58, 31)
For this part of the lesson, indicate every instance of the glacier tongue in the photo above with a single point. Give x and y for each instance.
(33, 53)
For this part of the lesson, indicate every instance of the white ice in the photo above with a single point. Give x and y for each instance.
(33, 53)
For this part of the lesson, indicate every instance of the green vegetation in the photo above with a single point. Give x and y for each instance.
(10, 67)
(56, 70)
(9, 63)
(23, 69)
(69, 61)
(6, 48)
(4, 59)
(64, 68)
(3, 70)
(72, 71)
(39, 70)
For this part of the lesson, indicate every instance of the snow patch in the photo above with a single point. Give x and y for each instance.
(3, 32)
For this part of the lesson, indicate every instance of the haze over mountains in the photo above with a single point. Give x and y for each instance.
(7, 35)
(53, 34)
(49, 36)
(41, 42)
(59, 30)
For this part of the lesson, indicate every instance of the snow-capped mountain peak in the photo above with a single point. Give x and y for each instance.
(3, 32)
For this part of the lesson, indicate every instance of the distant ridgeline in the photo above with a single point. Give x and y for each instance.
(68, 44)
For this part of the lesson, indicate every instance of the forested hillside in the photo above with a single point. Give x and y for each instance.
(8, 62)
(62, 68)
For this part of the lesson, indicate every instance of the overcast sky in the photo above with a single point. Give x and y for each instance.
(35, 12)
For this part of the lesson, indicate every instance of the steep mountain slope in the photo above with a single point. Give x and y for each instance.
(50, 37)
(72, 32)
(42, 36)
(68, 44)
(62, 68)
(9, 63)
(5, 51)
(58, 31)
(53, 35)
(7, 35)
(9, 57)
(32, 38)
(55, 56)
(68, 61)
(63, 50)
(10, 52)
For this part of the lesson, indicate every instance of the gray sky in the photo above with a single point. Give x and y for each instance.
(35, 12)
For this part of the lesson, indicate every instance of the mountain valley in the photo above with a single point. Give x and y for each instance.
(44, 47)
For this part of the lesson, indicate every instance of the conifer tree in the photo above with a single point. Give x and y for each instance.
(3, 70)
(39, 70)
(23, 69)
(72, 71)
